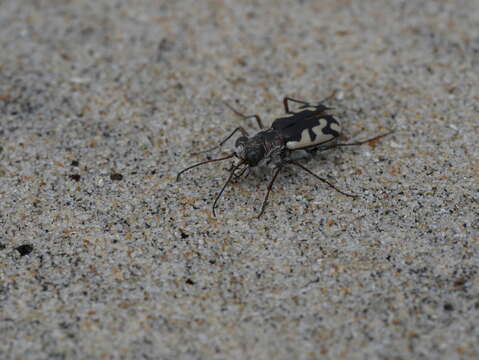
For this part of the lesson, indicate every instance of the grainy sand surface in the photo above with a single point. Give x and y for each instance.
(103, 255)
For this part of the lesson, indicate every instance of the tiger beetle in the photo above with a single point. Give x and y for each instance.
(289, 138)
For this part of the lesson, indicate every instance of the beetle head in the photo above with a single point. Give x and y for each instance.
(250, 151)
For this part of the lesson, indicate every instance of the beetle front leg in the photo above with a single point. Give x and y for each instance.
(232, 174)
(270, 186)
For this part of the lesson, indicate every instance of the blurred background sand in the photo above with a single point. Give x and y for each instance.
(104, 255)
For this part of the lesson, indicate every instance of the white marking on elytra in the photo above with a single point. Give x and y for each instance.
(306, 140)
(336, 127)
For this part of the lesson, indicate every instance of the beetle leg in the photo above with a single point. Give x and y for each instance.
(321, 179)
(232, 173)
(304, 104)
(239, 128)
(357, 143)
(245, 117)
(270, 186)
(286, 106)
(241, 172)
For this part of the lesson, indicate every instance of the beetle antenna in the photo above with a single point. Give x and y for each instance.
(321, 179)
(232, 174)
(202, 163)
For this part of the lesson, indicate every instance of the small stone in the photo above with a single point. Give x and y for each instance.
(116, 177)
(24, 249)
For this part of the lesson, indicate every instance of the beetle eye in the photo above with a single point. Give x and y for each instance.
(253, 157)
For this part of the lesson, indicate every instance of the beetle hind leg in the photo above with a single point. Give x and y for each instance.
(322, 179)
(358, 143)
